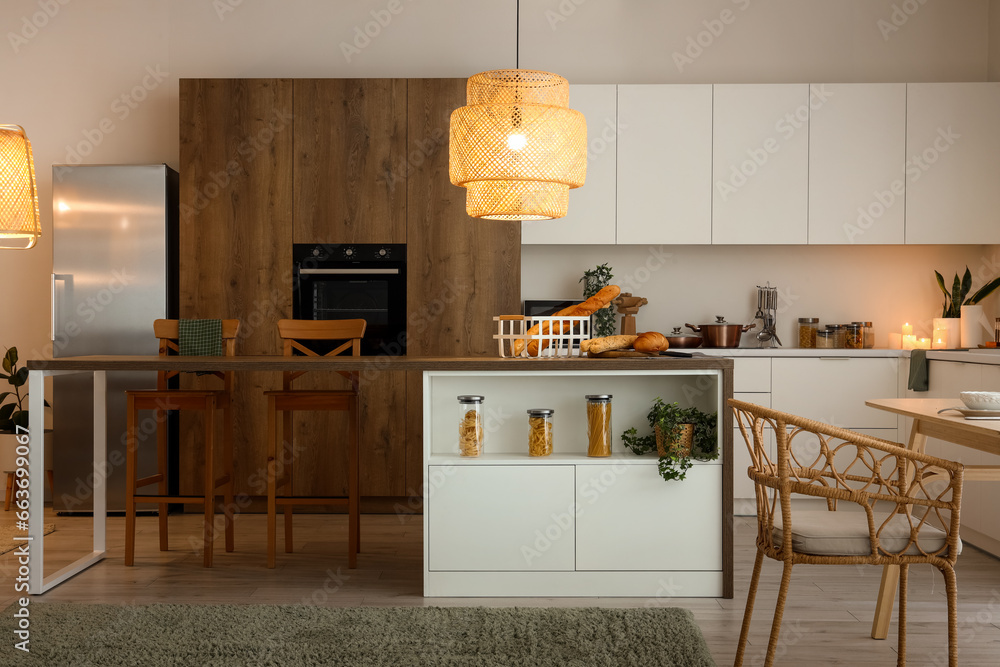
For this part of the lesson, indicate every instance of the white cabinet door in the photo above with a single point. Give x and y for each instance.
(591, 216)
(952, 144)
(833, 390)
(857, 146)
(665, 164)
(513, 518)
(629, 518)
(751, 374)
(760, 164)
(743, 486)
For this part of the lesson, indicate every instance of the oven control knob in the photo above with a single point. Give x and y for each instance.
(316, 252)
(348, 252)
(383, 252)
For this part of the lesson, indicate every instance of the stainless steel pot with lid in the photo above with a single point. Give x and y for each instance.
(721, 333)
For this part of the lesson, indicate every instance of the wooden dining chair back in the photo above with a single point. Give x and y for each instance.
(162, 400)
(300, 336)
(900, 508)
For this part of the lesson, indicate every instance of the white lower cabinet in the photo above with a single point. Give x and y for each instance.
(833, 390)
(629, 518)
(743, 486)
(510, 518)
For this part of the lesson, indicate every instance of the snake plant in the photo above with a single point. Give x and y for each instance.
(955, 299)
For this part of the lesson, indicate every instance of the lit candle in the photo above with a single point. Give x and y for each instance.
(909, 341)
(907, 329)
(940, 339)
(895, 341)
(923, 344)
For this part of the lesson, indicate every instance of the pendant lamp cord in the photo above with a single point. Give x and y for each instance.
(517, 34)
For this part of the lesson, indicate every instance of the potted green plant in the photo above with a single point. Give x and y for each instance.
(680, 436)
(13, 412)
(967, 310)
(594, 281)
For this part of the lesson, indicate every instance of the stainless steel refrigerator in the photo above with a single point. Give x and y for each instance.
(114, 263)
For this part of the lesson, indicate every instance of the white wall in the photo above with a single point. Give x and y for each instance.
(65, 73)
(886, 285)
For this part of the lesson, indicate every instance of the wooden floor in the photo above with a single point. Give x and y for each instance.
(827, 617)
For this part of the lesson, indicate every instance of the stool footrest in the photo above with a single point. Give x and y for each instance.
(152, 479)
(198, 500)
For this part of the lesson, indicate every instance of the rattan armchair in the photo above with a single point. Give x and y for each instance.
(909, 504)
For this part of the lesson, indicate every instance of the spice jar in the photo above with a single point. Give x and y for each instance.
(867, 334)
(470, 425)
(853, 337)
(838, 335)
(826, 339)
(598, 424)
(540, 431)
(807, 331)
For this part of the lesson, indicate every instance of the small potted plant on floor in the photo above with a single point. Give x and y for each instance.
(680, 436)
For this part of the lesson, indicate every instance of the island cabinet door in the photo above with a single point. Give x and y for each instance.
(500, 518)
(629, 518)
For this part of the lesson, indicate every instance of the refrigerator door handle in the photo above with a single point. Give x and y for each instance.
(52, 323)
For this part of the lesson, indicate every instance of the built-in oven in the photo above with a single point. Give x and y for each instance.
(354, 281)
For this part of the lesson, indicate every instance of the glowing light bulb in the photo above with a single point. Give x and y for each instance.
(516, 142)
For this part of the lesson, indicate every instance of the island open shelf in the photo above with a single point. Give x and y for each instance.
(508, 524)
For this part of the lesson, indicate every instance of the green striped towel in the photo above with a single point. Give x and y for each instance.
(199, 338)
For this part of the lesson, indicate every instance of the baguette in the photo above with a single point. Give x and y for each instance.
(651, 341)
(588, 307)
(597, 345)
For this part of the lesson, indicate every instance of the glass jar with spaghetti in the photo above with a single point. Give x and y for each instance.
(540, 431)
(598, 424)
(470, 425)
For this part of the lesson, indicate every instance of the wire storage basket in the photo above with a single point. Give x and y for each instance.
(537, 336)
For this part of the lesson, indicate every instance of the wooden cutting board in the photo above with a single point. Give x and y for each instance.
(618, 354)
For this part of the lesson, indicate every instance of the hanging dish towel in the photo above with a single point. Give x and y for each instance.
(199, 338)
(918, 371)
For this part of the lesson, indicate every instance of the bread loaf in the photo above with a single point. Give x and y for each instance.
(588, 307)
(598, 345)
(651, 341)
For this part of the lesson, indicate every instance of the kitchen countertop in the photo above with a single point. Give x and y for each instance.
(979, 356)
(795, 352)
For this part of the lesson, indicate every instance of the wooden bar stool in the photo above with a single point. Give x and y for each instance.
(162, 400)
(281, 403)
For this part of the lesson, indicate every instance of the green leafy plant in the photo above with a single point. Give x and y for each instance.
(955, 299)
(670, 419)
(594, 281)
(13, 414)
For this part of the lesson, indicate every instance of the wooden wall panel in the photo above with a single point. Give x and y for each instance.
(461, 272)
(235, 240)
(350, 160)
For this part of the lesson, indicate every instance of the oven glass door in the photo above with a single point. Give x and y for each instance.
(376, 295)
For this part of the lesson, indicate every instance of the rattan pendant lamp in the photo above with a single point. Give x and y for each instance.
(20, 226)
(516, 146)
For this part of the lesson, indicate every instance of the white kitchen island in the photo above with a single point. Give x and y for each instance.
(507, 524)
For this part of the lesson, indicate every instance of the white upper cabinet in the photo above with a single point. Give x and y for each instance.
(760, 165)
(952, 150)
(857, 146)
(591, 216)
(665, 164)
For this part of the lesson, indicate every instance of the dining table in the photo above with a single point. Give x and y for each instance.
(951, 426)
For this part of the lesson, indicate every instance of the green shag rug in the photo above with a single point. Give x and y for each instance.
(79, 635)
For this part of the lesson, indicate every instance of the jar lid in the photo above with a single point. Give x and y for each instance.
(853, 325)
(834, 327)
(809, 320)
(598, 397)
(825, 332)
(470, 398)
(863, 324)
(541, 412)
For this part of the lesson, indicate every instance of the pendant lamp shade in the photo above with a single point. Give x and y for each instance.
(517, 147)
(20, 225)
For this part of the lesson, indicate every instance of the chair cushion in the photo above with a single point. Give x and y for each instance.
(845, 533)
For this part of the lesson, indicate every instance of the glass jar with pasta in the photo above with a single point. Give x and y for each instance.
(598, 424)
(470, 425)
(540, 431)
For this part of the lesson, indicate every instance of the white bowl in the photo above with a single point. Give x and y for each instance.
(981, 400)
